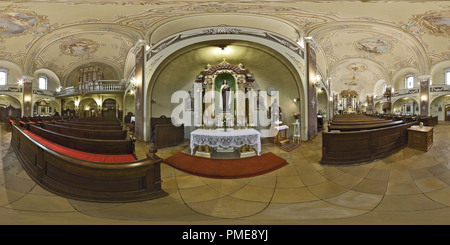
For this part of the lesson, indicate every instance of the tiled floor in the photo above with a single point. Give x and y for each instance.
(408, 187)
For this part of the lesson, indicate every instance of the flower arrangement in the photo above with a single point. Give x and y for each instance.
(224, 121)
(297, 115)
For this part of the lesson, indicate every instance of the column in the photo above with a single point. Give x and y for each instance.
(424, 92)
(139, 92)
(27, 108)
(252, 112)
(311, 90)
(387, 105)
(240, 102)
(198, 100)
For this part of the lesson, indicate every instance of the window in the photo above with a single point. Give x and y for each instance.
(409, 82)
(3, 78)
(384, 88)
(447, 76)
(43, 83)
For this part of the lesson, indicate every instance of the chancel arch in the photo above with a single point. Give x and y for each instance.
(283, 70)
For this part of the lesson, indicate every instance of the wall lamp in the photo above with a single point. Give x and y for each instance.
(424, 98)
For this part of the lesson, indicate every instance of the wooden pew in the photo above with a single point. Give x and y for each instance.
(112, 147)
(354, 122)
(85, 180)
(163, 133)
(89, 126)
(86, 132)
(364, 126)
(94, 122)
(363, 146)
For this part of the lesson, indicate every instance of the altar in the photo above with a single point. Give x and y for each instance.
(238, 139)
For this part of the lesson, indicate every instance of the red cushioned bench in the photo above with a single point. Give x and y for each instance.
(80, 154)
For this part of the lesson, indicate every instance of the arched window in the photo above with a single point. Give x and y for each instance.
(43, 83)
(409, 81)
(3, 77)
(384, 88)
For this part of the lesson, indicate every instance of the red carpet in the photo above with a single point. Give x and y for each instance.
(226, 168)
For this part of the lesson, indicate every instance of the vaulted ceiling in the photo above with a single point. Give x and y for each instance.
(360, 42)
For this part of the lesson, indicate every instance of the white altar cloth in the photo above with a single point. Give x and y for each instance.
(232, 137)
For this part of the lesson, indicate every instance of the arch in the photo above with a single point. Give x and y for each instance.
(378, 108)
(129, 101)
(405, 105)
(7, 100)
(70, 104)
(438, 106)
(73, 70)
(86, 101)
(53, 106)
(10, 106)
(284, 54)
(395, 99)
(109, 108)
(174, 25)
(323, 104)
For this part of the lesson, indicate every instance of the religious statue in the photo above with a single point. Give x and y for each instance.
(225, 96)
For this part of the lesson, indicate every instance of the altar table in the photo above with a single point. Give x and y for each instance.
(220, 138)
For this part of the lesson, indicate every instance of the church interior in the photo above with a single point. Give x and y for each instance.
(225, 112)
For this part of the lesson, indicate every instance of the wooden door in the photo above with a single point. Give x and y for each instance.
(447, 113)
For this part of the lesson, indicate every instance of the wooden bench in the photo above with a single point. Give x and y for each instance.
(363, 146)
(364, 126)
(89, 126)
(86, 133)
(164, 134)
(85, 180)
(112, 147)
(358, 122)
(89, 122)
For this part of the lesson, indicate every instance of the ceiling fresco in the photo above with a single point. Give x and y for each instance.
(376, 37)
